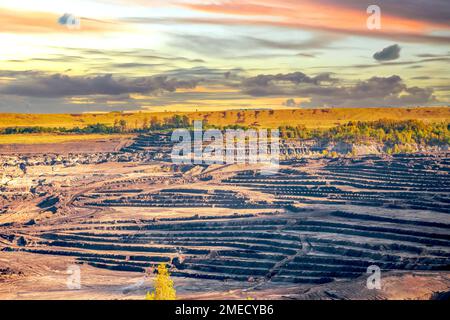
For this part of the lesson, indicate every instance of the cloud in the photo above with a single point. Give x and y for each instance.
(20, 73)
(335, 16)
(432, 55)
(434, 11)
(388, 53)
(376, 91)
(291, 103)
(228, 46)
(322, 90)
(266, 85)
(135, 65)
(139, 53)
(68, 19)
(421, 78)
(58, 85)
(307, 55)
(32, 22)
(208, 75)
(15, 104)
(410, 63)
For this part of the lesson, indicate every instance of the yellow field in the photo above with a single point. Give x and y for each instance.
(311, 118)
(52, 138)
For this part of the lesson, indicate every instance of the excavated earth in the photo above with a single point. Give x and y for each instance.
(310, 231)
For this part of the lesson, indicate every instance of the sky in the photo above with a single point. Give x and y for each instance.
(78, 56)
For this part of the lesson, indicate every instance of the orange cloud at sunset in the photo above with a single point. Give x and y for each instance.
(38, 22)
(309, 14)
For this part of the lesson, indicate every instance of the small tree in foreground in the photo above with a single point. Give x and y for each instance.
(164, 289)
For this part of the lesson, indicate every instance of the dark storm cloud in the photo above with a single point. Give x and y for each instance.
(58, 85)
(376, 91)
(15, 104)
(322, 90)
(264, 84)
(388, 53)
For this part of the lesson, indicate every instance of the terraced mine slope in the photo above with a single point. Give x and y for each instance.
(317, 223)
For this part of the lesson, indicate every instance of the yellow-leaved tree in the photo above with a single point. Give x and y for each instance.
(164, 289)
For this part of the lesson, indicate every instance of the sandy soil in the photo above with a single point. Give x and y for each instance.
(37, 276)
(46, 277)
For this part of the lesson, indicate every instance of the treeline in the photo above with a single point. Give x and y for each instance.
(388, 132)
(119, 126)
(92, 128)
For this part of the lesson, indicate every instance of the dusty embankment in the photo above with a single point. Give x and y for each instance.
(29, 276)
(101, 144)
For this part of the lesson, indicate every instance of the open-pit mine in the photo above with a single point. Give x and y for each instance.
(310, 231)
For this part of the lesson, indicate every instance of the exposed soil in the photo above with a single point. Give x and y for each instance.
(106, 144)
(309, 231)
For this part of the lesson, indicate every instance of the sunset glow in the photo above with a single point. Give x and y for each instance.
(189, 55)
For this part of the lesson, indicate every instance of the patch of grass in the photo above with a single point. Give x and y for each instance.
(310, 118)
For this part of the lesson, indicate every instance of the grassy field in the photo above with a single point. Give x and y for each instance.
(52, 138)
(311, 118)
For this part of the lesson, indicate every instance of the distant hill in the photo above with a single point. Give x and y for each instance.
(310, 118)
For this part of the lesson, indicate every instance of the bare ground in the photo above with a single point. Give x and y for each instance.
(232, 229)
(107, 144)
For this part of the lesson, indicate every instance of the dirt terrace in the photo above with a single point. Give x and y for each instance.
(107, 144)
(308, 232)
